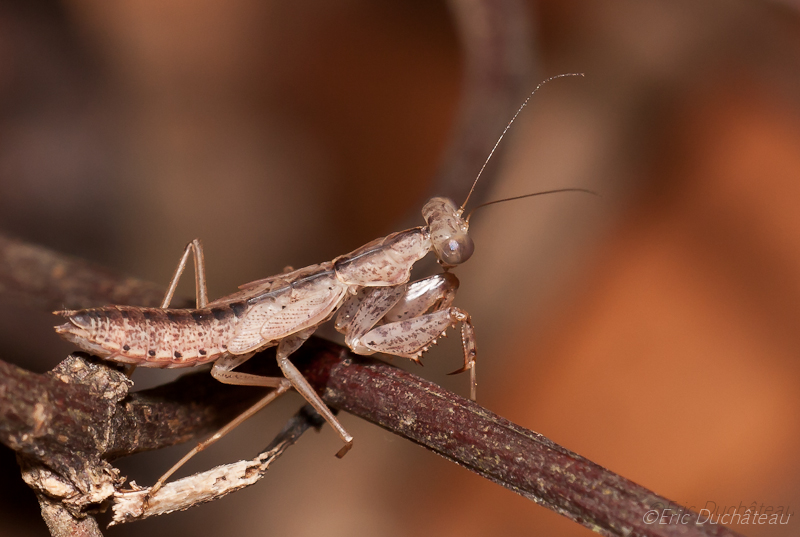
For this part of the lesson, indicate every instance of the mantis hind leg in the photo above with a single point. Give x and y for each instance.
(201, 292)
(222, 372)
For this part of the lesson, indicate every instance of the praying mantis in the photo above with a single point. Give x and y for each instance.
(368, 291)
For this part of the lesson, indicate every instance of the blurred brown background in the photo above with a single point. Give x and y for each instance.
(652, 330)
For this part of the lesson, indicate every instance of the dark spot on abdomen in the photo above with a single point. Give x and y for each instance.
(221, 313)
(199, 316)
(238, 308)
(176, 316)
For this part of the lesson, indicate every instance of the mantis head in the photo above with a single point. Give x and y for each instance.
(448, 232)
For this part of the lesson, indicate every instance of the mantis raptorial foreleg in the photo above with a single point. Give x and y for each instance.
(371, 307)
(414, 316)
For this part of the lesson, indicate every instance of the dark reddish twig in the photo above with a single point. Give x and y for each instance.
(489, 445)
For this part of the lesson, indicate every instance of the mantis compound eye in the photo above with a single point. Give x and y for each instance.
(456, 249)
(448, 231)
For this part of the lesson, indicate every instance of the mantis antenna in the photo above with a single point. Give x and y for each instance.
(529, 196)
(542, 83)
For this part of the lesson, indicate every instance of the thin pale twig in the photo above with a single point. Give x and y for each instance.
(67, 424)
(213, 484)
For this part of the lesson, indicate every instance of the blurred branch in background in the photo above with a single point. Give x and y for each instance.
(501, 68)
(34, 275)
(65, 426)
